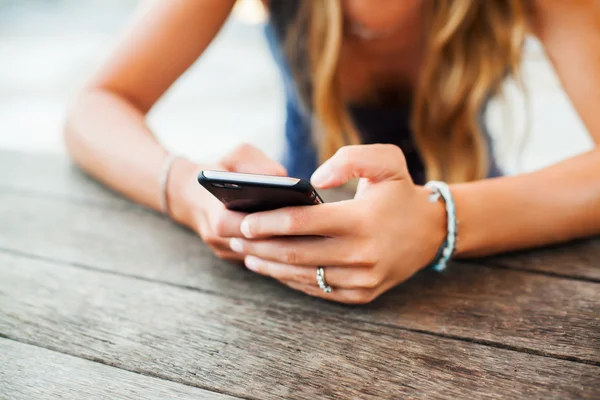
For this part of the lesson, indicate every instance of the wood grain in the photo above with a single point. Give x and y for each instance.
(261, 350)
(29, 372)
(56, 176)
(538, 313)
(578, 259)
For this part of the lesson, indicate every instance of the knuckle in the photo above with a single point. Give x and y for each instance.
(361, 218)
(242, 148)
(290, 256)
(371, 280)
(295, 220)
(391, 149)
(219, 224)
(368, 253)
(352, 257)
(293, 276)
(232, 158)
(307, 278)
(359, 256)
(344, 155)
(369, 259)
(361, 297)
(396, 154)
(211, 240)
(370, 296)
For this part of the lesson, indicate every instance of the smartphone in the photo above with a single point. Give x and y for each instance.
(253, 193)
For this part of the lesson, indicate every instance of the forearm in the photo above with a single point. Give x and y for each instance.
(558, 203)
(108, 138)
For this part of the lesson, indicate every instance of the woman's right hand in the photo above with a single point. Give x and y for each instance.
(209, 217)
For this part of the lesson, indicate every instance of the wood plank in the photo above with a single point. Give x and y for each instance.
(55, 175)
(263, 350)
(50, 175)
(538, 313)
(30, 372)
(578, 259)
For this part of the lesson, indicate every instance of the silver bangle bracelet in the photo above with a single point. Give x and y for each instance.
(164, 181)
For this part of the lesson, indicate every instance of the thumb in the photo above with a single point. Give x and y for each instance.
(248, 159)
(376, 163)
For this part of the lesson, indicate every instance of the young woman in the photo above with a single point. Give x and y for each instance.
(387, 91)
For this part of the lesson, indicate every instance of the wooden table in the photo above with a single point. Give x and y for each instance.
(99, 297)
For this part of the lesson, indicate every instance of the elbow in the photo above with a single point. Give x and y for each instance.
(92, 119)
(71, 134)
(78, 125)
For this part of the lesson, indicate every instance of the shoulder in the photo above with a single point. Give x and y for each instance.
(561, 7)
(570, 32)
(575, 20)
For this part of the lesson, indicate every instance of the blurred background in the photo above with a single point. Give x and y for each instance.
(48, 48)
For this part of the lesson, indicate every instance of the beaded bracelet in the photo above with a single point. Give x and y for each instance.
(441, 189)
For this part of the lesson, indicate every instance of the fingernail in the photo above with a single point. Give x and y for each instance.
(236, 245)
(245, 228)
(322, 175)
(252, 263)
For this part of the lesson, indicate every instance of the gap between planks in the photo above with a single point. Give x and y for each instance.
(489, 343)
(167, 387)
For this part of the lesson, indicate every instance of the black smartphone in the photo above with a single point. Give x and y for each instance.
(252, 193)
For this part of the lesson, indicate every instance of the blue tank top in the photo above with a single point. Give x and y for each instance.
(375, 124)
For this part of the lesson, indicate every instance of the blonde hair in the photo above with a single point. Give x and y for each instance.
(471, 46)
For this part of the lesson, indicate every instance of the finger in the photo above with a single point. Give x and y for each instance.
(220, 246)
(229, 255)
(338, 277)
(376, 162)
(348, 296)
(309, 251)
(217, 221)
(251, 160)
(226, 223)
(329, 219)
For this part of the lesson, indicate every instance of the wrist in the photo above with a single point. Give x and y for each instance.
(434, 232)
(184, 194)
(440, 193)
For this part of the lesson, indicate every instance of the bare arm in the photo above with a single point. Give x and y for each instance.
(563, 201)
(555, 204)
(106, 133)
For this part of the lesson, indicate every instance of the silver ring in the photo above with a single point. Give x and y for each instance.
(321, 280)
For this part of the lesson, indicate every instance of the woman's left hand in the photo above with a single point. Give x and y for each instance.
(366, 245)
